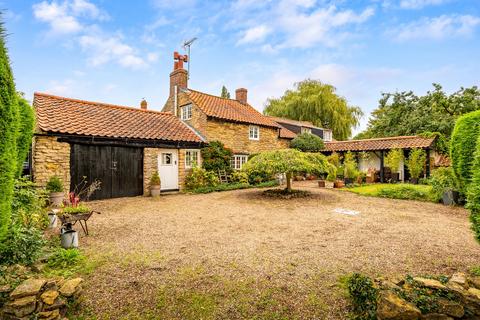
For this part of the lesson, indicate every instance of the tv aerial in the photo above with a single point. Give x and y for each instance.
(186, 47)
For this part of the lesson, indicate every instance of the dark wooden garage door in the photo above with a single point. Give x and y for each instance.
(120, 169)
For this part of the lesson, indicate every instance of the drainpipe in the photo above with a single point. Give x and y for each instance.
(175, 90)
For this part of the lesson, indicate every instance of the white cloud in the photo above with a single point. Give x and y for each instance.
(63, 18)
(418, 4)
(61, 88)
(445, 26)
(152, 57)
(297, 23)
(255, 34)
(104, 49)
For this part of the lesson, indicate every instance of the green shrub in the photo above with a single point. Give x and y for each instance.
(416, 162)
(216, 157)
(407, 192)
(28, 205)
(307, 142)
(334, 159)
(234, 186)
(155, 179)
(54, 184)
(240, 177)
(463, 141)
(199, 177)
(64, 258)
(22, 245)
(332, 173)
(393, 159)
(473, 194)
(441, 180)
(363, 296)
(257, 176)
(350, 166)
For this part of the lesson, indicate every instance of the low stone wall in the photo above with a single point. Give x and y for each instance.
(40, 298)
(457, 297)
(50, 158)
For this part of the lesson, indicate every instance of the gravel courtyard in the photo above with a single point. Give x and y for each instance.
(239, 255)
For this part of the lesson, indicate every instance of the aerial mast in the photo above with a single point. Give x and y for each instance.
(186, 46)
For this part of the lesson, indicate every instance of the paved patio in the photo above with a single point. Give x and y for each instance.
(230, 251)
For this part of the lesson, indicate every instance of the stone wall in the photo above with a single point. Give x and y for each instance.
(49, 158)
(236, 137)
(150, 165)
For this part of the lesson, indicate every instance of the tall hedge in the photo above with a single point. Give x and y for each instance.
(307, 142)
(463, 143)
(26, 122)
(8, 127)
(473, 194)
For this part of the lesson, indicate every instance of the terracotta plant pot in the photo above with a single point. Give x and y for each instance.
(321, 183)
(155, 191)
(339, 184)
(56, 199)
(329, 184)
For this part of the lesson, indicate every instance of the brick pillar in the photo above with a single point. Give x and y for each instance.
(241, 95)
(179, 78)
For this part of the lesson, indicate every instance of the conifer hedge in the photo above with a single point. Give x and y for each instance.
(473, 194)
(26, 123)
(463, 143)
(8, 129)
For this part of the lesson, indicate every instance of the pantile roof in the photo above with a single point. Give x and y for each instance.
(228, 109)
(306, 124)
(72, 116)
(287, 134)
(402, 142)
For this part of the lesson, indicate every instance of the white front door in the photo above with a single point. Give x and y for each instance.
(168, 168)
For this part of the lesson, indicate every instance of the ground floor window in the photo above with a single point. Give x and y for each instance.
(238, 160)
(191, 158)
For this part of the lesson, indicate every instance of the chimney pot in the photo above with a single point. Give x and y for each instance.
(143, 104)
(241, 95)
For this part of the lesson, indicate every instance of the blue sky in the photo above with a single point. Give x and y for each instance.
(120, 52)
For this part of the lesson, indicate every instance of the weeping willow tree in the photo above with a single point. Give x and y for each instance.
(8, 133)
(314, 101)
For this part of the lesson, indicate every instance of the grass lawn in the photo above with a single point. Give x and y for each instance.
(395, 191)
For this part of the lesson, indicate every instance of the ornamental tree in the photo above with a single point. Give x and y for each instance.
(288, 161)
(415, 162)
(307, 142)
(8, 129)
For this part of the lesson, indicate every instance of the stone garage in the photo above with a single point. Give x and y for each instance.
(120, 146)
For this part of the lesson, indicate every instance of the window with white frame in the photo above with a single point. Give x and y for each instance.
(187, 112)
(305, 130)
(254, 133)
(191, 158)
(238, 160)
(327, 135)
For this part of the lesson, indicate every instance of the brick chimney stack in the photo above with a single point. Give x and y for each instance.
(179, 76)
(143, 104)
(241, 95)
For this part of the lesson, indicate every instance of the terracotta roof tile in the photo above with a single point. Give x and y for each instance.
(228, 109)
(402, 142)
(306, 124)
(72, 116)
(287, 134)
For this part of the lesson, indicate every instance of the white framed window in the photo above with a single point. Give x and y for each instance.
(238, 160)
(187, 112)
(192, 158)
(167, 159)
(305, 130)
(254, 133)
(327, 135)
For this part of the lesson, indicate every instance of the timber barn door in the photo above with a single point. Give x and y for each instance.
(120, 169)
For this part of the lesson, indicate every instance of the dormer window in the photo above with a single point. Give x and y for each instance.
(186, 112)
(327, 135)
(254, 133)
(305, 130)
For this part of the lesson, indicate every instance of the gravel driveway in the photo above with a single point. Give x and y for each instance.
(236, 255)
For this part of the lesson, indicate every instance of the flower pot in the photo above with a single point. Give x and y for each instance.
(450, 197)
(56, 199)
(329, 184)
(155, 191)
(321, 183)
(348, 180)
(339, 184)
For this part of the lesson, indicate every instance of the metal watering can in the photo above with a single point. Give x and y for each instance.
(68, 236)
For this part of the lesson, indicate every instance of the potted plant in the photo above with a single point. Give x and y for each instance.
(392, 160)
(331, 177)
(155, 184)
(350, 168)
(415, 164)
(55, 189)
(338, 184)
